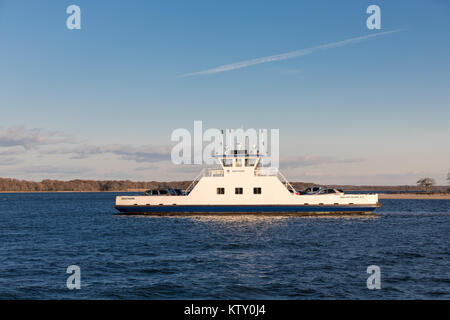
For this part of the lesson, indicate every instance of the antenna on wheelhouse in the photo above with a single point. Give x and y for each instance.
(223, 144)
(246, 145)
(262, 143)
(230, 146)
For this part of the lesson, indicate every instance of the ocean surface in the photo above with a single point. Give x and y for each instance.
(219, 257)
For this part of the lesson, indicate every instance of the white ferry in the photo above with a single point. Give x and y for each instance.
(241, 185)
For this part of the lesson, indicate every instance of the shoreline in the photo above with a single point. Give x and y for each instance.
(398, 196)
(415, 196)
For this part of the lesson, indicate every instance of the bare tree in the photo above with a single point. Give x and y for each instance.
(426, 183)
(448, 179)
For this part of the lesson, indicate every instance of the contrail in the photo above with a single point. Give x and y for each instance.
(284, 56)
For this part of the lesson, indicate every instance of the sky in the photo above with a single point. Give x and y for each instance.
(353, 105)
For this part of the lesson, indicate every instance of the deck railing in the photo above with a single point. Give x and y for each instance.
(206, 172)
(273, 171)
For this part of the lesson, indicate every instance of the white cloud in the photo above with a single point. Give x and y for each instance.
(135, 153)
(31, 138)
(8, 161)
(8, 151)
(309, 160)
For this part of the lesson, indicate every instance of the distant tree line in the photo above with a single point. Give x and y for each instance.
(85, 185)
(48, 185)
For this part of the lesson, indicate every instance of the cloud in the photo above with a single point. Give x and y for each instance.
(7, 156)
(9, 161)
(304, 161)
(40, 172)
(30, 138)
(12, 151)
(145, 168)
(138, 154)
(284, 56)
(188, 168)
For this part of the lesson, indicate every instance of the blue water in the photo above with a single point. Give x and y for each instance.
(246, 257)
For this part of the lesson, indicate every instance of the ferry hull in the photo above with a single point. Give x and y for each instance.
(245, 209)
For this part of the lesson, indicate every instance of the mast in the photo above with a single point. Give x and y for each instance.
(223, 144)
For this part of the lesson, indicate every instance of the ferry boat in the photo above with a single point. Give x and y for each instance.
(241, 185)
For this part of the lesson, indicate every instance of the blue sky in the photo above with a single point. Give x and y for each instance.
(372, 112)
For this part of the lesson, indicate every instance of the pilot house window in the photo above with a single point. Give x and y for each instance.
(238, 191)
(220, 190)
(256, 190)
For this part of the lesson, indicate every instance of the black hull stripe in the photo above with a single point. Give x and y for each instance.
(239, 209)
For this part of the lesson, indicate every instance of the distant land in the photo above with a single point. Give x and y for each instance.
(78, 185)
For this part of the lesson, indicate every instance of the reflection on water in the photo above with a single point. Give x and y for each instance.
(254, 218)
(362, 216)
